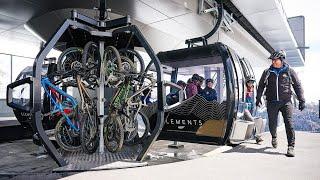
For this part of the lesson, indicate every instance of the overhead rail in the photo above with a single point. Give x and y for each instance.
(215, 8)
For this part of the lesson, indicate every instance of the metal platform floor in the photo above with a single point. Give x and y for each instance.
(21, 159)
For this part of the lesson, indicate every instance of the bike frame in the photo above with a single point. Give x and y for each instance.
(51, 91)
(122, 94)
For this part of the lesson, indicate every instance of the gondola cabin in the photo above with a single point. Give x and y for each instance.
(195, 119)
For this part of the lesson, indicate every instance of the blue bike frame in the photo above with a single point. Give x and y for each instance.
(58, 107)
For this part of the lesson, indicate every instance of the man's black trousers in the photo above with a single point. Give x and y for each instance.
(286, 109)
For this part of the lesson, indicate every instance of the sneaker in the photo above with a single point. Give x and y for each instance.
(290, 152)
(274, 142)
(258, 139)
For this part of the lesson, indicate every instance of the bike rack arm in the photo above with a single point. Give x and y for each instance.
(124, 21)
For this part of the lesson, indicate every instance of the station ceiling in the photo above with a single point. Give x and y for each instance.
(172, 21)
(178, 19)
(270, 20)
(15, 13)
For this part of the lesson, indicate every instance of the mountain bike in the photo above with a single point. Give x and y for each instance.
(67, 130)
(124, 110)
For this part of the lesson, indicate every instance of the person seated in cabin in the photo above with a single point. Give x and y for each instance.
(173, 97)
(200, 84)
(194, 86)
(249, 106)
(250, 94)
(189, 81)
(146, 97)
(208, 92)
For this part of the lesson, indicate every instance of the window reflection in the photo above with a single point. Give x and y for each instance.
(5, 74)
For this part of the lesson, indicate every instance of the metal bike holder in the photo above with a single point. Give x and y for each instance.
(88, 24)
(101, 99)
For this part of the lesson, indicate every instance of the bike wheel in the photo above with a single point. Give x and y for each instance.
(127, 65)
(132, 55)
(111, 56)
(67, 138)
(113, 133)
(91, 62)
(67, 57)
(89, 133)
(143, 129)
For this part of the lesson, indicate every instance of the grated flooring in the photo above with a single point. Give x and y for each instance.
(80, 161)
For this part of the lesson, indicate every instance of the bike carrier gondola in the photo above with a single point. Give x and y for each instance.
(118, 33)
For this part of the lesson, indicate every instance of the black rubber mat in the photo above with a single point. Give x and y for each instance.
(80, 161)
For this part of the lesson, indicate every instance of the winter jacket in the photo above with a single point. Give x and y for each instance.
(191, 89)
(277, 82)
(209, 94)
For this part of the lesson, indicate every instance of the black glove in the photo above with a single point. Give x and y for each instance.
(302, 105)
(258, 103)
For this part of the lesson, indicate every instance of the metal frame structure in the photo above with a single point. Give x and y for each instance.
(91, 25)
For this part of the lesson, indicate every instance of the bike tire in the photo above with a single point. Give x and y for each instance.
(87, 52)
(112, 54)
(127, 65)
(89, 144)
(74, 142)
(140, 139)
(91, 61)
(131, 52)
(113, 122)
(61, 63)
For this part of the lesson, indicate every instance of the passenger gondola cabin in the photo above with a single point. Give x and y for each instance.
(195, 119)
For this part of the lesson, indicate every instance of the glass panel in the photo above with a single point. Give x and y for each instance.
(240, 76)
(5, 74)
(214, 72)
(249, 67)
(20, 63)
(245, 68)
(236, 85)
(21, 95)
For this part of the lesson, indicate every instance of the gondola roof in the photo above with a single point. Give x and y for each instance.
(195, 56)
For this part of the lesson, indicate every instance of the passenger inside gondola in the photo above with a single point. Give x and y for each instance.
(173, 97)
(208, 92)
(250, 95)
(200, 84)
(194, 87)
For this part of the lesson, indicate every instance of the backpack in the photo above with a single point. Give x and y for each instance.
(268, 74)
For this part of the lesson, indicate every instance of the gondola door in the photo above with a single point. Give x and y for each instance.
(243, 126)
